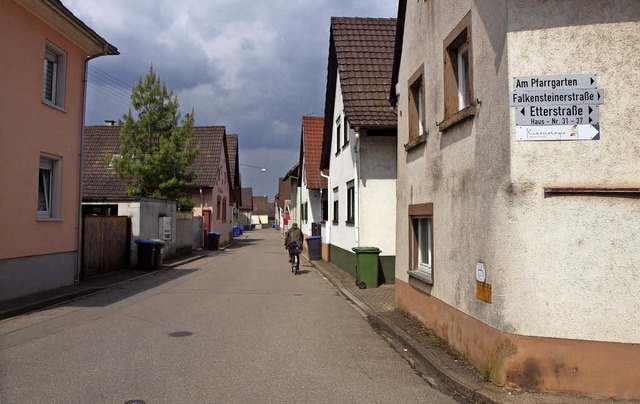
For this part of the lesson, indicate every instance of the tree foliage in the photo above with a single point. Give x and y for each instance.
(155, 143)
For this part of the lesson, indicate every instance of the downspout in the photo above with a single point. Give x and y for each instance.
(356, 185)
(76, 277)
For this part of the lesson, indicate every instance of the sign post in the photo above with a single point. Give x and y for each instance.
(557, 107)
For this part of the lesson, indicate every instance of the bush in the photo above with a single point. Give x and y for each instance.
(185, 204)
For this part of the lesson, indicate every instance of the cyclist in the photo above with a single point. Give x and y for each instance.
(293, 241)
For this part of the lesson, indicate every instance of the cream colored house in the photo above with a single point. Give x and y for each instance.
(47, 50)
(518, 219)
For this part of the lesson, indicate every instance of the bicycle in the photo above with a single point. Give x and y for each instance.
(294, 254)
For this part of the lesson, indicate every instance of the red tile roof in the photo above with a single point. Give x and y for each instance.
(247, 199)
(312, 130)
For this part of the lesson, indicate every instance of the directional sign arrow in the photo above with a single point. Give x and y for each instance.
(532, 115)
(592, 96)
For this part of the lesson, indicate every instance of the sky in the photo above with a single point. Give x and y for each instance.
(256, 67)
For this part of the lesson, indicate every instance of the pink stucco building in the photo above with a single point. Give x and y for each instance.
(47, 50)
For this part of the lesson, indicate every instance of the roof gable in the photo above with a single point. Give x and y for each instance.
(312, 130)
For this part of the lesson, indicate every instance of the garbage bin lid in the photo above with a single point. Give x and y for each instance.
(214, 232)
(366, 250)
(313, 238)
(145, 242)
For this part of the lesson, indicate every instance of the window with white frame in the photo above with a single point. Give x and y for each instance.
(345, 134)
(351, 205)
(54, 75)
(421, 243)
(458, 74)
(416, 105)
(338, 133)
(49, 187)
(336, 206)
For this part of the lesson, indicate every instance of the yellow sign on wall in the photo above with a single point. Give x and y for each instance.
(483, 291)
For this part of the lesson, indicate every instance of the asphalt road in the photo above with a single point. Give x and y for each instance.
(234, 327)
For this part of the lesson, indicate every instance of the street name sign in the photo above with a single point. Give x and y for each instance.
(558, 132)
(557, 115)
(563, 82)
(590, 96)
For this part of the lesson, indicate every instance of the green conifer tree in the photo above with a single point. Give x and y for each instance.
(155, 147)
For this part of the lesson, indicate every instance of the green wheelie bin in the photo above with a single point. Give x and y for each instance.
(367, 267)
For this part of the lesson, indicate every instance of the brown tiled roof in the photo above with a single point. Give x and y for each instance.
(99, 181)
(211, 142)
(364, 49)
(232, 146)
(312, 130)
(247, 199)
(102, 142)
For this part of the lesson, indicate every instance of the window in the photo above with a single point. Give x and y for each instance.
(325, 209)
(458, 75)
(417, 131)
(54, 74)
(218, 207)
(49, 187)
(421, 242)
(345, 134)
(338, 133)
(224, 209)
(336, 206)
(350, 203)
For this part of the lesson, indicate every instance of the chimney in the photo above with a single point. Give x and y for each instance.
(109, 123)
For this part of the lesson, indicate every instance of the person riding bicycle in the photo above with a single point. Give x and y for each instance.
(293, 240)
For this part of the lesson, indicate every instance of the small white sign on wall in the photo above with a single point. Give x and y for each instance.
(481, 275)
(164, 223)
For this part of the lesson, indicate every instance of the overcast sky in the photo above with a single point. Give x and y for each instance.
(253, 66)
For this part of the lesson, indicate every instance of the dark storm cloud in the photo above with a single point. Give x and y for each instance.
(256, 69)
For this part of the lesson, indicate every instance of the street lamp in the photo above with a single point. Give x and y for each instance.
(263, 169)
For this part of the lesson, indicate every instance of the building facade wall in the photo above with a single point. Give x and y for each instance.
(312, 197)
(30, 127)
(558, 266)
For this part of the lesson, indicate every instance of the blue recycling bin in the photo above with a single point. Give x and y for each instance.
(214, 240)
(314, 243)
(277, 227)
(241, 229)
(149, 254)
(236, 231)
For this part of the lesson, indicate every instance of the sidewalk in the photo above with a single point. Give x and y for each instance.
(427, 353)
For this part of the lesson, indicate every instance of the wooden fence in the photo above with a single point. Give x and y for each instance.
(106, 244)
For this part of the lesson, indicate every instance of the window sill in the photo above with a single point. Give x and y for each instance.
(415, 142)
(48, 219)
(350, 223)
(344, 146)
(460, 116)
(52, 105)
(335, 222)
(422, 276)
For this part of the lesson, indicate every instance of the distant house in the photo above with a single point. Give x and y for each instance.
(46, 51)
(234, 171)
(283, 203)
(312, 183)
(246, 208)
(359, 142)
(211, 191)
(262, 209)
(517, 244)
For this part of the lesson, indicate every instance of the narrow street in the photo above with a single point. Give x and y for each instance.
(233, 327)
